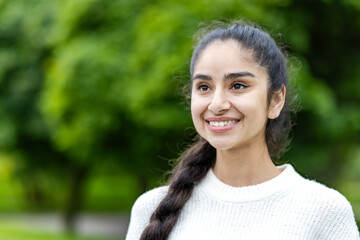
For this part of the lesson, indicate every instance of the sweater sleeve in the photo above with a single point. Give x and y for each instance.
(339, 221)
(141, 212)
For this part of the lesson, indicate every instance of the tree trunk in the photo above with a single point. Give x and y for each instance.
(33, 192)
(76, 196)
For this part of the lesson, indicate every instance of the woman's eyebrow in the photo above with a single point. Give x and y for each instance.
(238, 75)
(226, 77)
(202, 76)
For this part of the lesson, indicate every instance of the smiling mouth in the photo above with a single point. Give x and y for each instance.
(222, 123)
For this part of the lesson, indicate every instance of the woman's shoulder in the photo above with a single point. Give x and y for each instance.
(323, 193)
(309, 190)
(333, 211)
(142, 209)
(326, 199)
(149, 200)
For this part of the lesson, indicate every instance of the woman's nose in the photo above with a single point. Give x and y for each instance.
(219, 103)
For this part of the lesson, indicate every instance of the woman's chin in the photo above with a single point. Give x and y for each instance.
(223, 145)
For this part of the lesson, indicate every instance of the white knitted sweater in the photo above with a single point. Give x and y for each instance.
(285, 207)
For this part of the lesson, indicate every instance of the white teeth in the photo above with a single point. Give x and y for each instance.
(223, 123)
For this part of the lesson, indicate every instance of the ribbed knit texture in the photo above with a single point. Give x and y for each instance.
(285, 207)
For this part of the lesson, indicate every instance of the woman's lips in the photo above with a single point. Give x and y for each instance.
(219, 125)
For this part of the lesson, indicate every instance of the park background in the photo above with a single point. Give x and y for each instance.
(91, 104)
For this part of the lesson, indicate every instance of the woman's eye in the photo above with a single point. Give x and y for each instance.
(238, 86)
(203, 88)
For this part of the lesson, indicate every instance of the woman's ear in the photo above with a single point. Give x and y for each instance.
(277, 103)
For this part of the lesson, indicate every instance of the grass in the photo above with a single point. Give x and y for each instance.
(13, 231)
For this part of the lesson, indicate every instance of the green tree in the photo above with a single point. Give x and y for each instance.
(24, 135)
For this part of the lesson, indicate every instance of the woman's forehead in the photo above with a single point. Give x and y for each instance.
(226, 56)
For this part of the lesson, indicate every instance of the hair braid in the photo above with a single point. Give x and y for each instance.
(194, 164)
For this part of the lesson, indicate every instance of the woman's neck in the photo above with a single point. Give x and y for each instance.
(244, 167)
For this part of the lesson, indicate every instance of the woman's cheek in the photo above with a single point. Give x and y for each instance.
(194, 110)
(198, 109)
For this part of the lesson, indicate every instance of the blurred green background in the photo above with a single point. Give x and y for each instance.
(91, 105)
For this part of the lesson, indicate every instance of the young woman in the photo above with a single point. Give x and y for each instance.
(226, 186)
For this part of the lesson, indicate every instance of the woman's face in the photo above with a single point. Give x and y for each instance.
(229, 104)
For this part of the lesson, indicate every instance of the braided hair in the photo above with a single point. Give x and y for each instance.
(200, 157)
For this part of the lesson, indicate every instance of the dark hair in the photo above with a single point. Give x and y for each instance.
(200, 157)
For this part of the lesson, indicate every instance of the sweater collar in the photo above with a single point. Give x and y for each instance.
(212, 186)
